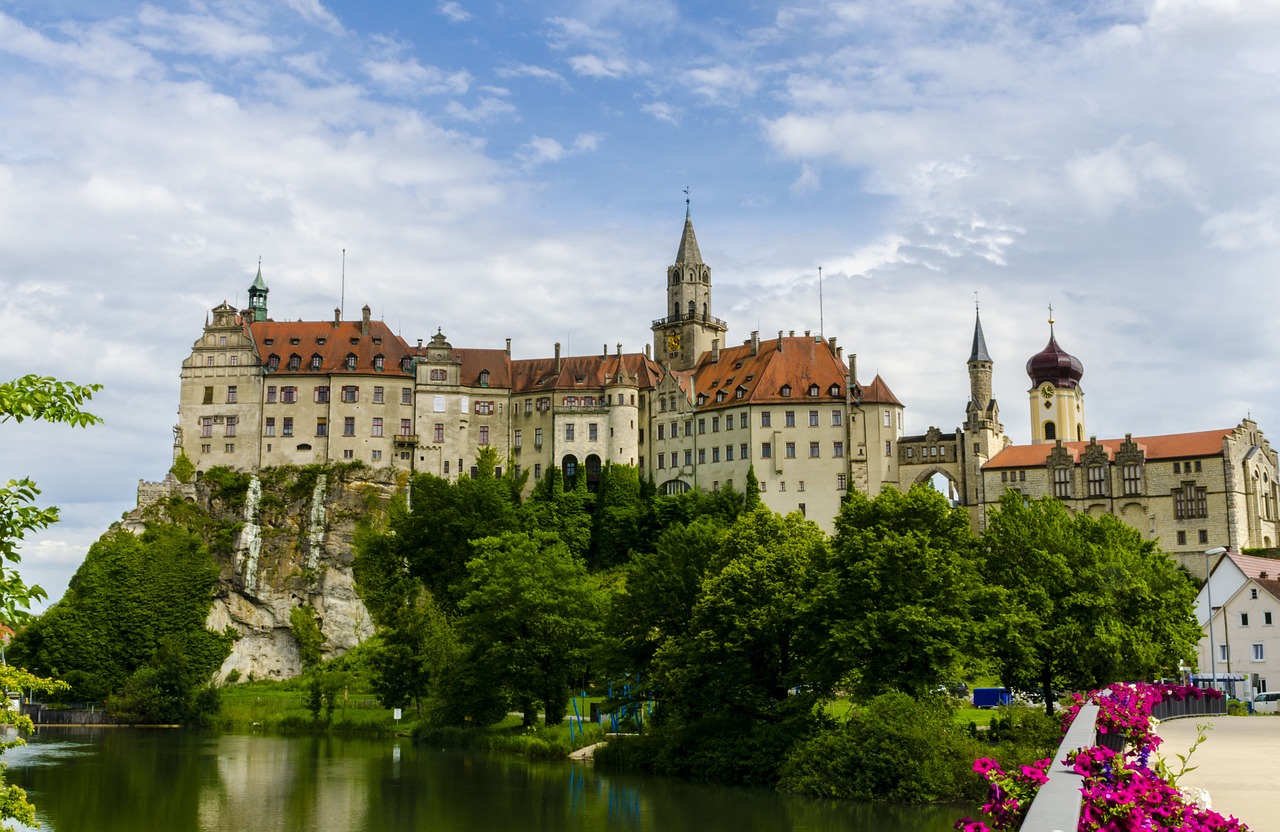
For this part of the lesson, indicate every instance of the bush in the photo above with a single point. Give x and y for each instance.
(894, 748)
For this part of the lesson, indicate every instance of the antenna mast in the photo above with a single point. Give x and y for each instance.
(342, 297)
(822, 330)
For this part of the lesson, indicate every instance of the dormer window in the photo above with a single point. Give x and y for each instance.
(406, 364)
(813, 390)
(377, 342)
(350, 362)
(378, 363)
(315, 361)
(295, 361)
(484, 378)
(741, 392)
(702, 399)
(785, 392)
(355, 341)
(294, 341)
(320, 339)
(720, 396)
(273, 363)
(268, 341)
(834, 391)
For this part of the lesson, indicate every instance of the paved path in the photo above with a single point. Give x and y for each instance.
(1239, 764)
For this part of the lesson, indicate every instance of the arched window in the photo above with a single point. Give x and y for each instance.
(1079, 433)
(1050, 430)
(692, 310)
(675, 310)
(484, 378)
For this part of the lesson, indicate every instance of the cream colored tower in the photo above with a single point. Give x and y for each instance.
(689, 329)
(1057, 402)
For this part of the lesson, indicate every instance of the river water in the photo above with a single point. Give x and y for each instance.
(139, 780)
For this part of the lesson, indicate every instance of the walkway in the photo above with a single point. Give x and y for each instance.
(1238, 764)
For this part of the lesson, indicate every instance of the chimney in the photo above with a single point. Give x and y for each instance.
(715, 350)
(364, 320)
(780, 339)
(419, 343)
(807, 333)
(840, 353)
(648, 350)
(337, 317)
(619, 349)
(790, 334)
(604, 350)
(557, 364)
(831, 344)
(508, 346)
(755, 342)
(853, 368)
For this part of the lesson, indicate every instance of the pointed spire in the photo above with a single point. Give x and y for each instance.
(258, 282)
(979, 342)
(688, 254)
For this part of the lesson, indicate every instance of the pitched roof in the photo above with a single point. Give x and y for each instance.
(979, 352)
(582, 372)
(333, 342)
(877, 392)
(1253, 567)
(794, 362)
(475, 362)
(1203, 443)
(688, 253)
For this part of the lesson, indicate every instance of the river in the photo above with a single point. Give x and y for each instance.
(139, 780)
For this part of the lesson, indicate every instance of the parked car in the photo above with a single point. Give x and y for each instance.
(1267, 703)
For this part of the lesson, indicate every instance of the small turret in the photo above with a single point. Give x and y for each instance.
(258, 297)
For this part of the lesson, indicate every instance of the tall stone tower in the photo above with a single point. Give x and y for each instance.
(1057, 402)
(258, 297)
(689, 328)
(984, 435)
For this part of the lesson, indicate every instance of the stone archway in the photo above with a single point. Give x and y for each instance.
(943, 480)
(676, 486)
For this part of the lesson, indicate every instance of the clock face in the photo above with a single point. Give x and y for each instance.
(1047, 391)
(673, 342)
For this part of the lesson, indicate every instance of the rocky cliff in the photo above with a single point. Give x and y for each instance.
(282, 538)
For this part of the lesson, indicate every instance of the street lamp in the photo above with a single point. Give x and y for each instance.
(1213, 656)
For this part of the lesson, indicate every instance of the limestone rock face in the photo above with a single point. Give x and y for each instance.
(292, 547)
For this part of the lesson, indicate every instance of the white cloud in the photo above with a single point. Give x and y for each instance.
(601, 66)
(529, 71)
(411, 76)
(454, 12)
(662, 111)
(807, 182)
(541, 149)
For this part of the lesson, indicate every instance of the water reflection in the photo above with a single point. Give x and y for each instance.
(118, 780)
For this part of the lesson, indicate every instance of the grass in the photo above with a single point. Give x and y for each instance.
(282, 706)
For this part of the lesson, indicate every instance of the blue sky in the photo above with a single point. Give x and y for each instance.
(517, 170)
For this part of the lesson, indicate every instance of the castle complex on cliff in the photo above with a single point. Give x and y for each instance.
(694, 411)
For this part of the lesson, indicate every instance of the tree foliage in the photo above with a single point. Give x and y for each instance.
(305, 627)
(1086, 601)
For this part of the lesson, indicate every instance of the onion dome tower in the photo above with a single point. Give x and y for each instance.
(1057, 402)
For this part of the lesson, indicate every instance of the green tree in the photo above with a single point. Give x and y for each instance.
(183, 469)
(904, 595)
(1086, 601)
(528, 619)
(565, 513)
(306, 632)
(621, 514)
(414, 651)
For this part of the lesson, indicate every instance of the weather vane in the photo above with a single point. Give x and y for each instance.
(686, 200)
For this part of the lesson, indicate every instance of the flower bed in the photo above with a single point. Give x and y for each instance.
(1121, 791)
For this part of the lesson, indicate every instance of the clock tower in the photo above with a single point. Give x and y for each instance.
(1057, 402)
(689, 328)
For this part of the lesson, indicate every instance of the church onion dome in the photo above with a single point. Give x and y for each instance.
(1054, 365)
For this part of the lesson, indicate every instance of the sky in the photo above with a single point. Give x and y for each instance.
(518, 170)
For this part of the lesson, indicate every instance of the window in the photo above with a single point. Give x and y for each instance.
(271, 395)
(766, 419)
(208, 362)
(702, 456)
(230, 427)
(315, 362)
(1253, 594)
(439, 375)
(837, 419)
(813, 450)
(321, 395)
(1266, 619)
(349, 363)
(791, 450)
(544, 404)
(782, 486)
(766, 450)
(230, 447)
(270, 428)
(322, 426)
(790, 418)
(377, 395)
(888, 448)
(537, 470)
(1259, 653)
(688, 427)
(702, 426)
(437, 432)
(437, 404)
(1223, 652)
(288, 395)
(295, 361)
(813, 391)
(208, 395)
(484, 434)
(349, 426)
(568, 431)
(800, 486)
(1182, 538)
(273, 363)
(742, 451)
(593, 431)
(350, 393)
(484, 408)
(837, 449)
(1061, 482)
(813, 418)
(1132, 474)
(728, 422)
(204, 449)
(517, 439)
(1190, 501)
(662, 461)
(406, 395)
(728, 453)
(842, 482)
(286, 427)
(662, 433)
(785, 391)
(375, 455)
(888, 419)
(1204, 535)
(715, 424)
(377, 426)
(406, 427)
(537, 437)
(1244, 619)
(231, 394)
(378, 363)
(1097, 481)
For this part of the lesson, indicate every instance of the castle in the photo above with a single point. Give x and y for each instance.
(693, 411)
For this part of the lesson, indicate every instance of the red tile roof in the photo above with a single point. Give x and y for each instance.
(1253, 567)
(276, 338)
(877, 392)
(1205, 443)
(797, 361)
(534, 375)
